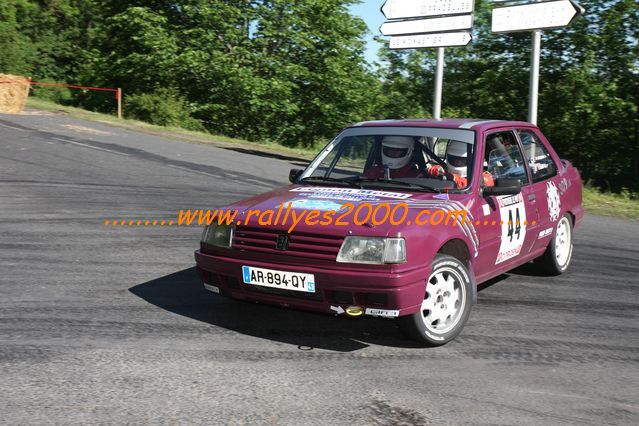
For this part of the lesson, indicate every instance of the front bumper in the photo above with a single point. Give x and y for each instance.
(381, 293)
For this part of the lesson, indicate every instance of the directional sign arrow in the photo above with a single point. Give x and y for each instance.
(430, 40)
(535, 16)
(398, 9)
(419, 26)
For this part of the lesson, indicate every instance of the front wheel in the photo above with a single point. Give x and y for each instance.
(446, 305)
(556, 258)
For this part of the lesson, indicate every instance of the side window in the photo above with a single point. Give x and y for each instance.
(503, 157)
(538, 158)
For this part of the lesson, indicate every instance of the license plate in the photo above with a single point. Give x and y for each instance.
(278, 279)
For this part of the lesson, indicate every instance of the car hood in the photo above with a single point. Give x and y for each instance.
(290, 203)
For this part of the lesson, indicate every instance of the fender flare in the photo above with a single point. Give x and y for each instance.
(467, 261)
(473, 282)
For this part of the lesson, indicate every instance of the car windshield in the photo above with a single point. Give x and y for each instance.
(420, 158)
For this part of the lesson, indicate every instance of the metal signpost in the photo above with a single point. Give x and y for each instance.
(535, 17)
(434, 32)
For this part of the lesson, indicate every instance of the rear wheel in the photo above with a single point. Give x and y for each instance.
(557, 256)
(446, 305)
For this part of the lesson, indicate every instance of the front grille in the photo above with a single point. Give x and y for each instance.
(348, 298)
(231, 282)
(208, 277)
(315, 246)
(374, 299)
(343, 297)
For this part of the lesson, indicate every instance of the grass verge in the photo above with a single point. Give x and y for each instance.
(605, 204)
(174, 132)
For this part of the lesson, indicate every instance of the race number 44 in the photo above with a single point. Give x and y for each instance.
(513, 226)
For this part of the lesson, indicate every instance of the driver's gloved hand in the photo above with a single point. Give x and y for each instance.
(436, 171)
(460, 182)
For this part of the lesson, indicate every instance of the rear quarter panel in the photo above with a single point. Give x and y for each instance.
(569, 185)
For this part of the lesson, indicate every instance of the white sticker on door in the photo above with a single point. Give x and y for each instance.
(554, 203)
(513, 226)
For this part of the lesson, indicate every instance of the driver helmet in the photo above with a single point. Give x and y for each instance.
(397, 151)
(457, 158)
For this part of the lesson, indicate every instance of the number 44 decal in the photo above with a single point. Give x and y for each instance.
(513, 229)
(514, 226)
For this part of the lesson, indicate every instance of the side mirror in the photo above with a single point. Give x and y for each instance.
(503, 187)
(294, 174)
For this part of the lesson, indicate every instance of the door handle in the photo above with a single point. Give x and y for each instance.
(532, 197)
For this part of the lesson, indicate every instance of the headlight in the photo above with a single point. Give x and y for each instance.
(218, 235)
(372, 250)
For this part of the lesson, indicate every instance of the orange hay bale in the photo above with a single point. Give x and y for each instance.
(14, 90)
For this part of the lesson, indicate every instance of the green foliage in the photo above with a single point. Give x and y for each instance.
(622, 204)
(60, 95)
(164, 107)
(293, 72)
(589, 86)
(19, 55)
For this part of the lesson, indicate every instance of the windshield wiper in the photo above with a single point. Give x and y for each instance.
(321, 179)
(400, 182)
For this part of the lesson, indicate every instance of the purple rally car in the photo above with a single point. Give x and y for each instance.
(407, 218)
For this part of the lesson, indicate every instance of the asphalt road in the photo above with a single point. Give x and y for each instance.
(109, 325)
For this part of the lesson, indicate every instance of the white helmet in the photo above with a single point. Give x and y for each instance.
(397, 151)
(457, 158)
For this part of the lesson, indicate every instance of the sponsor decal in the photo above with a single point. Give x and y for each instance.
(544, 233)
(382, 313)
(564, 185)
(486, 209)
(350, 194)
(554, 203)
(314, 204)
(211, 288)
(513, 228)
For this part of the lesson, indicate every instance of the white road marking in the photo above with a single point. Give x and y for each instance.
(14, 128)
(92, 147)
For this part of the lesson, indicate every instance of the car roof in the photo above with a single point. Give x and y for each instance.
(449, 123)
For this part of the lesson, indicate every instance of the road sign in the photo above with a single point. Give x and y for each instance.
(420, 26)
(535, 16)
(399, 9)
(430, 40)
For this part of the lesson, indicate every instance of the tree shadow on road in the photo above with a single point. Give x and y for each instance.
(295, 160)
(182, 293)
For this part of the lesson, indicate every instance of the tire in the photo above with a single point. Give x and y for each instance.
(438, 321)
(558, 254)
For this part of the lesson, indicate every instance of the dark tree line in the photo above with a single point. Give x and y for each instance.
(293, 72)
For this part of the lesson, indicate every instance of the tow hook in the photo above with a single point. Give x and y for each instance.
(354, 311)
(351, 311)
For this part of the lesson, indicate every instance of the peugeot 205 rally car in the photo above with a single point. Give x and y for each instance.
(377, 243)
